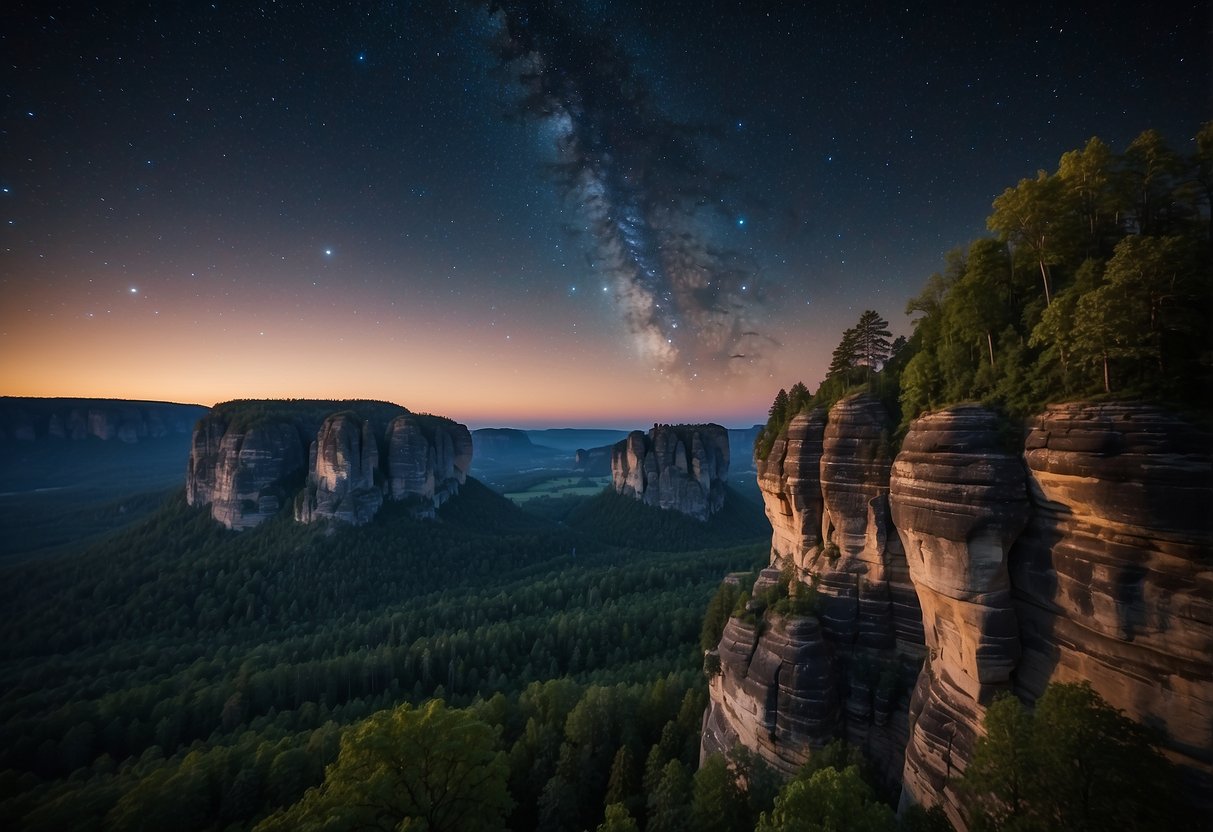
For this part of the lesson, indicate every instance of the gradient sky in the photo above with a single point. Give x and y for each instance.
(610, 214)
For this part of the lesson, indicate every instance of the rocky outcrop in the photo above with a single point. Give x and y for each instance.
(825, 489)
(959, 501)
(776, 690)
(248, 460)
(679, 467)
(593, 462)
(343, 480)
(790, 481)
(245, 475)
(31, 419)
(427, 459)
(1113, 578)
(1087, 557)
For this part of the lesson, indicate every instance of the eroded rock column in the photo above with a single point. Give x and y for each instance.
(959, 501)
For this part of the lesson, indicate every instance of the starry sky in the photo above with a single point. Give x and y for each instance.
(581, 213)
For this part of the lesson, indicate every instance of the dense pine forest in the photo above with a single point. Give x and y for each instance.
(182, 671)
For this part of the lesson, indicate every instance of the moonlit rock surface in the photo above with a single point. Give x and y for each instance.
(343, 479)
(790, 482)
(355, 462)
(242, 474)
(825, 489)
(428, 462)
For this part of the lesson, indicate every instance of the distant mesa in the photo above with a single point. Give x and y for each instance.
(677, 467)
(34, 419)
(492, 441)
(331, 460)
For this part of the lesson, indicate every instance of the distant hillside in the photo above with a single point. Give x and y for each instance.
(72, 469)
(573, 439)
(29, 419)
(622, 521)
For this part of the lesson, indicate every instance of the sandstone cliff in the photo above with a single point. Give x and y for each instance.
(1113, 578)
(1087, 557)
(343, 480)
(244, 475)
(30, 419)
(959, 501)
(679, 467)
(248, 459)
(825, 489)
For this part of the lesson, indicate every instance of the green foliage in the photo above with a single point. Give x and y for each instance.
(305, 414)
(1073, 763)
(178, 653)
(618, 819)
(429, 768)
(864, 359)
(1098, 284)
(624, 521)
(718, 800)
(670, 802)
(717, 614)
(828, 801)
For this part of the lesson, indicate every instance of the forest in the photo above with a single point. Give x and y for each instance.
(178, 665)
(1096, 283)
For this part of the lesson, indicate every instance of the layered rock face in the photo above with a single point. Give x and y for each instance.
(343, 473)
(776, 692)
(825, 489)
(1113, 579)
(428, 462)
(1088, 558)
(959, 501)
(244, 475)
(106, 419)
(790, 482)
(247, 473)
(678, 467)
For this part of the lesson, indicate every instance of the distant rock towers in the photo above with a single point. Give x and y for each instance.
(678, 467)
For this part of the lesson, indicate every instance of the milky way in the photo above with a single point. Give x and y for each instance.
(647, 197)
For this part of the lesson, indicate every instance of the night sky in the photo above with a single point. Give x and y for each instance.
(609, 214)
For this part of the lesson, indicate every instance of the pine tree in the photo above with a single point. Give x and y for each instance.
(842, 362)
(872, 345)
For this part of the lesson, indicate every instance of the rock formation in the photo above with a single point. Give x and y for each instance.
(679, 467)
(343, 473)
(959, 501)
(790, 481)
(427, 458)
(247, 460)
(30, 419)
(825, 489)
(1087, 558)
(1113, 578)
(776, 691)
(245, 475)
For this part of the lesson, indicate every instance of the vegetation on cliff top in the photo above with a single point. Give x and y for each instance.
(1096, 284)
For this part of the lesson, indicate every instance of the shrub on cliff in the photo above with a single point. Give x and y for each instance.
(1073, 763)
